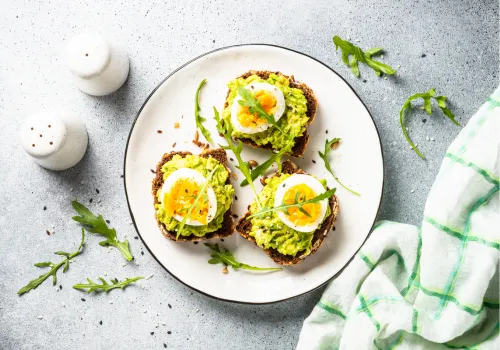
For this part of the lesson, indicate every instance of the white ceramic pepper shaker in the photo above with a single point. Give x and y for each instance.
(98, 64)
(54, 139)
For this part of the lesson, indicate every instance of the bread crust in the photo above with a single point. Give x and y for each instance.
(301, 142)
(227, 228)
(244, 226)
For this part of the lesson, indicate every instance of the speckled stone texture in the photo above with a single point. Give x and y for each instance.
(450, 45)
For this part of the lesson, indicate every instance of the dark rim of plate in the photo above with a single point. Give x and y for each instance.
(132, 215)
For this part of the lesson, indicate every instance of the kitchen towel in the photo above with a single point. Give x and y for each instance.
(435, 286)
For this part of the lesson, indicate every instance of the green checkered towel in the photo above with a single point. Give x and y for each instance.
(434, 286)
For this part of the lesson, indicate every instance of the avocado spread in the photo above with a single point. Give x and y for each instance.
(293, 121)
(223, 193)
(270, 232)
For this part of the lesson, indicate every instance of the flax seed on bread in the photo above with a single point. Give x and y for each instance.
(301, 142)
(227, 228)
(244, 226)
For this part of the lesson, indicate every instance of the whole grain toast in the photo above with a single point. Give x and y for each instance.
(244, 226)
(301, 142)
(227, 228)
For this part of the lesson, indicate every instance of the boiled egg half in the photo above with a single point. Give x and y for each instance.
(271, 99)
(301, 187)
(178, 193)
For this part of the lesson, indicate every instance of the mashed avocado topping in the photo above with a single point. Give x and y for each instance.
(293, 122)
(270, 232)
(223, 193)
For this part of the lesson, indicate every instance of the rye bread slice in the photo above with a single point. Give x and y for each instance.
(227, 228)
(301, 142)
(244, 226)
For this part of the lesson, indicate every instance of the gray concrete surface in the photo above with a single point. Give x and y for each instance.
(450, 45)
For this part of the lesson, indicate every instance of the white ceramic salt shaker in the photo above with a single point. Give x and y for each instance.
(98, 64)
(55, 139)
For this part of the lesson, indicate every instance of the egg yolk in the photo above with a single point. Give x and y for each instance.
(181, 197)
(301, 193)
(268, 103)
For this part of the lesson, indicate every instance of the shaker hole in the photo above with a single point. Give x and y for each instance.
(33, 145)
(50, 126)
(86, 54)
(51, 142)
(40, 135)
(31, 128)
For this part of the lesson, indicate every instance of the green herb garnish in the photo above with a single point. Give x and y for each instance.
(195, 202)
(54, 268)
(254, 106)
(92, 286)
(426, 96)
(324, 155)
(275, 157)
(198, 118)
(97, 225)
(225, 129)
(297, 203)
(224, 256)
(359, 55)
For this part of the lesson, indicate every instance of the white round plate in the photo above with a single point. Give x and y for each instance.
(357, 162)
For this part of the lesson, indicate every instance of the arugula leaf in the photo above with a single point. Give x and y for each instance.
(54, 268)
(275, 157)
(195, 202)
(97, 224)
(254, 106)
(197, 117)
(296, 203)
(348, 49)
(225, 129)
(92, 286)
(224, 256)
(324, 155)
(426, 96)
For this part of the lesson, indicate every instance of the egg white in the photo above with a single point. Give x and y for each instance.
(311, 182)
(280, 107)
(199, 179)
